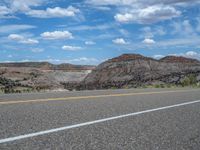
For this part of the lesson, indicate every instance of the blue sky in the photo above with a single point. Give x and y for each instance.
(92, 31)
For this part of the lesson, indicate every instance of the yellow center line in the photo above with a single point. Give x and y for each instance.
(89, 97)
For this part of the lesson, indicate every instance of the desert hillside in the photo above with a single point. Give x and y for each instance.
(36, 76)
(133, 70)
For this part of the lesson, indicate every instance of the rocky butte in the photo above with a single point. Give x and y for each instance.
(134, 70)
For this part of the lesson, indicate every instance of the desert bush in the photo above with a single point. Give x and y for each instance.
(157, 85)
(189, 80)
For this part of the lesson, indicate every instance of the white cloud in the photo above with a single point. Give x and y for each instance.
(191, 54)
(71, 48)
(29, 7)
(83, 60)
(15, 28)
(89, 43)
(4, 11)
(148, 41)
(22, 5)
(56, 12)
(16, 37)
(144, 11)
(119, 41)
(9, 8)
(57, 35)
(29, 41)
(22, 39)
(158, 56)
(148, 15)
(125, 18)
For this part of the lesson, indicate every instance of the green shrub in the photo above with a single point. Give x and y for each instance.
(157, 86)
(189, 80)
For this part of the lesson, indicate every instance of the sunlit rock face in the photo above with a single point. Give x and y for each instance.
(133, 70)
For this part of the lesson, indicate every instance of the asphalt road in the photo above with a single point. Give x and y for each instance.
(138, 119)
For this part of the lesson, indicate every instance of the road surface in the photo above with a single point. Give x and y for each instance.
(137, 119)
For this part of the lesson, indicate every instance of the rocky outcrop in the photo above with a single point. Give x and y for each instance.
(133, 70)
(30, 76)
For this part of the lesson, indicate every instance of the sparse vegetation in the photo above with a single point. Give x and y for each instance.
(189, 80)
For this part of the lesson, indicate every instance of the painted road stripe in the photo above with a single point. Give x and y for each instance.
(30, 135)
(90, 97)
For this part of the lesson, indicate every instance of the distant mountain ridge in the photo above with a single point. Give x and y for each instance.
(48, 66)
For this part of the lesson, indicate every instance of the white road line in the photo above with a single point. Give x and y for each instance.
(11, 139)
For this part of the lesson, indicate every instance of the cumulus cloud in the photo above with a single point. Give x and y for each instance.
(120, 41)
(71, 48)
(148, 41)
(192, 54)
(56, 12)
(57, 35)
(15, 37)
(22, 39)
(144, 11)
(125, 18)
(11, 7)
(151, 14)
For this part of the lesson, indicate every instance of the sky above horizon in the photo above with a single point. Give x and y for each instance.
(92, 31)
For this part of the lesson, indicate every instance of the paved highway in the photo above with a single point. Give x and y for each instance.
(106, 119)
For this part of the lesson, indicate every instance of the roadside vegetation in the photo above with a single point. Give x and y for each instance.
(188, 81)
(9, 86)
